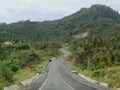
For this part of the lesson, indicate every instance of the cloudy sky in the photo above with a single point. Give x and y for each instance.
(39, 10)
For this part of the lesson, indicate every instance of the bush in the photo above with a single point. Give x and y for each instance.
(15, 65)
(8, 67)
(22, 47)
(6, 72)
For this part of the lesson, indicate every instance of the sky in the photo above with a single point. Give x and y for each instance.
(40, 10)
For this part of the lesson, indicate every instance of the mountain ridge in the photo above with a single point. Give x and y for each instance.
(97, 18)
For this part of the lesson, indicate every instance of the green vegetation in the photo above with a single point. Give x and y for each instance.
(27, 72)
(98, 20)
(98, 54)
(20, 60)
(92, 34)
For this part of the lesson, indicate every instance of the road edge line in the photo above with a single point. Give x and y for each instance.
(45, 80)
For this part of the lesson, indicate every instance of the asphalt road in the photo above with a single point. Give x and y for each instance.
(57, 76)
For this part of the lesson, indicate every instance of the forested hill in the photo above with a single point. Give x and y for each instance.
(92, 35)
(97, 20)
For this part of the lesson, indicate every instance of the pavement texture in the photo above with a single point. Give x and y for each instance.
(58, 76)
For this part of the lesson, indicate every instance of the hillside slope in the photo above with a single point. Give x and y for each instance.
(92, 35)
(98, 20)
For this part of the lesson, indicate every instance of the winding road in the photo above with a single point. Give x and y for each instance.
(57, 76)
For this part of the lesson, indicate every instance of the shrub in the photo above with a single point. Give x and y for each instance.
(6, 72)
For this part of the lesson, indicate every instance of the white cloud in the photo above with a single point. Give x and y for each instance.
(14, 10)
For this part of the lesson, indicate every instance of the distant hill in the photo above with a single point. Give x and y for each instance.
(96, 20)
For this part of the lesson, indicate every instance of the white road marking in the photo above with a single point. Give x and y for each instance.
(45, 81)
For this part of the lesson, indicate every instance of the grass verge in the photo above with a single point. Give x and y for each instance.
(27, 72)
(109, 75)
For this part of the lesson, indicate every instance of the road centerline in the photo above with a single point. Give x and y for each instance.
(67, 83)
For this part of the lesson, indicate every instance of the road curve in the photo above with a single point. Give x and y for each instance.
(58, 76)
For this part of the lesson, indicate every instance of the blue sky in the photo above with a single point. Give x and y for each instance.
(39, 10)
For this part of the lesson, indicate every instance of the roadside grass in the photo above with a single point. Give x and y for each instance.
(23, 62)
(37, 60)
(27, 72)
(109, 75)
(3, 83)
(23, 74)
(71, 65)
(34, 66)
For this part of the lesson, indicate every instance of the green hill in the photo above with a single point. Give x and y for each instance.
(92, 35)
(98, 20)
